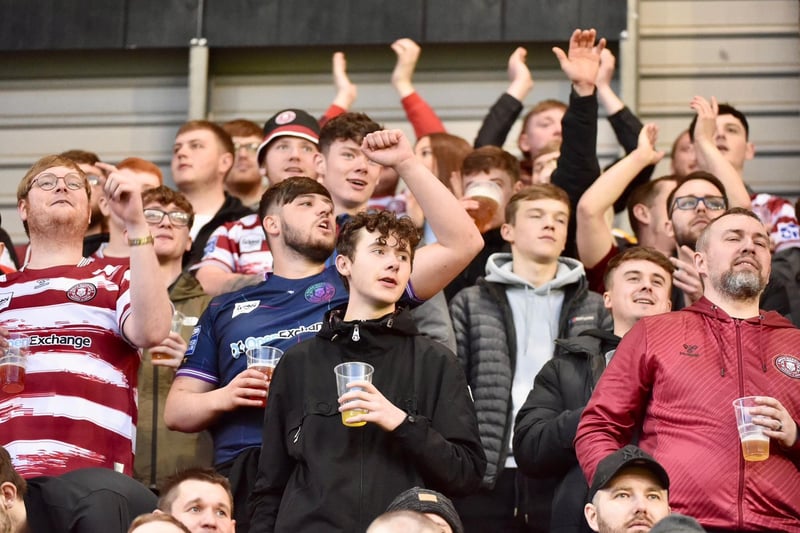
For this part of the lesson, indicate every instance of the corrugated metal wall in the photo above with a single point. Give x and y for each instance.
(746, 52)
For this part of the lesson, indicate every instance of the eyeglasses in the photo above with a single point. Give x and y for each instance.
(712, 203)
(177, 218)
(94, 179)
(250, 147)
(48, 182)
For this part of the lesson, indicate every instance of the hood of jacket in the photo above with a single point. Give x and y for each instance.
(771, 319)
(398, 322)
(498, 270)
(717, 318)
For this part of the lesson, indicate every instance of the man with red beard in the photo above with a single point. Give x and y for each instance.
(85, 322)
(674, 377)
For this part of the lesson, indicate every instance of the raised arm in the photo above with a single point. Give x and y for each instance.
(709, 158)
(151, 311)
(421, 116)
(346, 91)
(503, 114)
(593, 235)
(577, 165)
(458, 239)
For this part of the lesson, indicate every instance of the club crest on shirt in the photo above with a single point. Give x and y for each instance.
(320, 293)
(789, 365)
(82, 292)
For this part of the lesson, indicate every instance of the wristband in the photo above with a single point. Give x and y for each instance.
(141, 241)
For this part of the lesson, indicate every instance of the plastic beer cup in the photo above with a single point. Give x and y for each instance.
(13, 363)
(264, 359)
(755, 445)
(177, 324)
(347, 373)
(489, 196)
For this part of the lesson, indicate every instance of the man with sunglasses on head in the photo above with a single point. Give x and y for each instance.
(696, 200)
(86, 322)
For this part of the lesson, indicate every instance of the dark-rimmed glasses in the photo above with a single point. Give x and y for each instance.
(686, 203)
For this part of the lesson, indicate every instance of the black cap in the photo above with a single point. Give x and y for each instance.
(428, 501)
(289, 122)
(677, 523)
(626, 457)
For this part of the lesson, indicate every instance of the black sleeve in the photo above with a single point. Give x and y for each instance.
(544, 429)
(577, 165)
(5, 238)
(445, 448)
(276, 465)
(498, 121)
(626, 127)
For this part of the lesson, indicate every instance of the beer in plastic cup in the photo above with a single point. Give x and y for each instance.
(489, 196)
(264, 359)
(347, 373)
(177, 324)
(755, 445)
(12, 363)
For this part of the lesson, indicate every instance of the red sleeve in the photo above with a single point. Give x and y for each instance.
(618, 403)
(421, 116)
(595, 274)
(332, 112)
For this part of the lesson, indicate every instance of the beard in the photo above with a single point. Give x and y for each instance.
(317, 251)
(605, 527)
(740, 285)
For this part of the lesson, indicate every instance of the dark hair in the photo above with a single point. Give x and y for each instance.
(157, 517)
(386, 223)
(696, 175)
(537, 191)
(645, 194)
(488, 158)
(725, 109)
(286, 191)
(81, 157)
(634, 253)
(224, 140)
(346, 127)
(9, 475)
(449, 152)
(702, 239)
(169, 490)
(241, 127)
(165, 196)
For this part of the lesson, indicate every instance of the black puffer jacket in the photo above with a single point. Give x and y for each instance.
(546, 424)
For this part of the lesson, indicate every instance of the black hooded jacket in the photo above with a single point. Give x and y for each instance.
(316, 475)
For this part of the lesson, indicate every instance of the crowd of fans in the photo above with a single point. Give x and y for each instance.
(535, 368)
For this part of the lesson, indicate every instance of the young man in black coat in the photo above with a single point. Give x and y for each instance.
(638, 283)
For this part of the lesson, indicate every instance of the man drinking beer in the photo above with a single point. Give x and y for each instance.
(674, 377)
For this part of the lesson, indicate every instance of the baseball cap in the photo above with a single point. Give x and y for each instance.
(289, 122)
(428, 501)
(626, 457)
(677, 523)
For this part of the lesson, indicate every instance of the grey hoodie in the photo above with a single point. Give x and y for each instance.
(536, 311)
